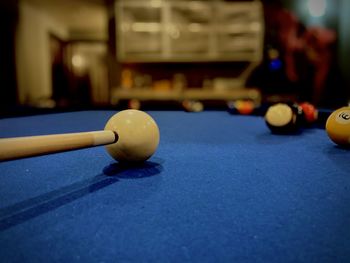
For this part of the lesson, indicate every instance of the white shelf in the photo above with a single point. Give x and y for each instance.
(178, 30)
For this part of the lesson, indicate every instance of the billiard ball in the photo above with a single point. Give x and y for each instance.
(282, 118)
(192, 106)
(138, 136)
(244, 107)
(134, 104)
(310, 113)
(338, 126)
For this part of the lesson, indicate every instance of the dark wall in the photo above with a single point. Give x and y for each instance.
(8, 22)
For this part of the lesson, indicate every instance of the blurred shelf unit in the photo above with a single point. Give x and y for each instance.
(181, 31)
(188, 31)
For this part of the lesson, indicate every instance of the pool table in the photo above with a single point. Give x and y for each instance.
(220, 188)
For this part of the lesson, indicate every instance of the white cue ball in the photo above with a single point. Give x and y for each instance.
(138, 136)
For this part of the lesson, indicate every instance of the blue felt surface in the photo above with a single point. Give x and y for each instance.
(220, 188)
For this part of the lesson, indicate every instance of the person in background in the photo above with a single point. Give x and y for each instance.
(300, 60)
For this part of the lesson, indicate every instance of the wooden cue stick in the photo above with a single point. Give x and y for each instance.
(15, 148)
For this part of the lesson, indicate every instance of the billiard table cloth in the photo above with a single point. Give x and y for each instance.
(220, 188)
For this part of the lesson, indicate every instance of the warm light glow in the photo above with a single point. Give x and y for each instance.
(78, 61)
(317, 8)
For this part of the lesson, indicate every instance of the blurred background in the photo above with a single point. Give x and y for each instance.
(91, 54)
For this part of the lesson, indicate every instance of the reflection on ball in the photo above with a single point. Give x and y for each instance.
(338, 126)
(138, 136)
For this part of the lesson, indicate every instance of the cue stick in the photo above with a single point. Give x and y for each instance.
(20, 147)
